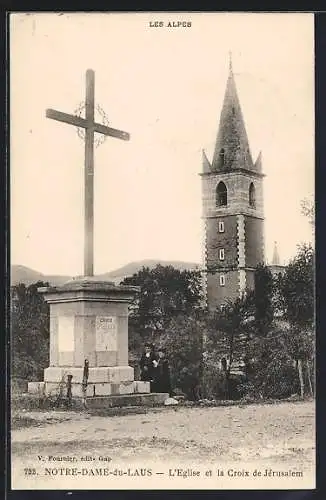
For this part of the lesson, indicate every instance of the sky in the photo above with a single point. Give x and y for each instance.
(165, 86)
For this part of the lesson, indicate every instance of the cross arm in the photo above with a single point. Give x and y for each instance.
(77, 121)
(66, 118)
(112, 132)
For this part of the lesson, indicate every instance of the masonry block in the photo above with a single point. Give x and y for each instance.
(118, 374)
(36, 388)
(54, 389)
(126, 388)
(141, 387)
(59, 374)
(100, 374)
(101, 389)
(88, 321)
(127, 400)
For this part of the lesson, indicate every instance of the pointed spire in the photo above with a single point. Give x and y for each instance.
(230, 62)
(276, 257)
(258, 163)
(206, 164)
(232, 145)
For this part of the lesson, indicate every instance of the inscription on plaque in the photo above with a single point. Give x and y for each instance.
(106, 333)
(66, 336)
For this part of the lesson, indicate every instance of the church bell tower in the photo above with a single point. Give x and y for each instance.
(232, 194)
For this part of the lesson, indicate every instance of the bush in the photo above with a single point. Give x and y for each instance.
(280, 380)
(214, 383)
(183, 342)
(276, 379)
(29, 332)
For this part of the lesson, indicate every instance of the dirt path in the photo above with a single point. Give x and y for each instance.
(278, 437)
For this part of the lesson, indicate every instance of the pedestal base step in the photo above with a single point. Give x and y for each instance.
(152, 399)
(92, 390)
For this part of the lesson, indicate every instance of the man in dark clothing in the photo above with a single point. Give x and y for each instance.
(148, 364)
(162, 382)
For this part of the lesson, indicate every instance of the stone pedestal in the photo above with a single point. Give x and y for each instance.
(89, 323)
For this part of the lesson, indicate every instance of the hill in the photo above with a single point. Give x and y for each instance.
(133, 267)
(23, 274)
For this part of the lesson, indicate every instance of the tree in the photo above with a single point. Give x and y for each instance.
(263, 299)
(282, 348)
(296, 290)
(308, 210)
(229, 329)
(260, 315)
(300, 346)
(273, 373)
(165, 293)
(183, 340)
(29, 331)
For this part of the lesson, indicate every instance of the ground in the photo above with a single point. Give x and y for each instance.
(277, 437)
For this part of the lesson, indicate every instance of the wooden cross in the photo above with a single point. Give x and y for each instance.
(90, 127)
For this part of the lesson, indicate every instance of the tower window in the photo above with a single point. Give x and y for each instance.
(222, 156)
(222, 280)
(224, 364)
(252, 195)
(221, 227)
(221, 254)
(221, 195)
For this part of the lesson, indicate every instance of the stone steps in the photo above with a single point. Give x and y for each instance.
(123, 400)
(33, 401)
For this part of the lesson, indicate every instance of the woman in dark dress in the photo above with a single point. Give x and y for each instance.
(162, 373)
(147, 364)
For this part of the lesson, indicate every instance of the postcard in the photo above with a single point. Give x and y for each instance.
(162, 251)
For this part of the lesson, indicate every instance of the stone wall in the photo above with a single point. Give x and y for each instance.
(254, 241)
(226, 240)
(242, 238)
(217, 294)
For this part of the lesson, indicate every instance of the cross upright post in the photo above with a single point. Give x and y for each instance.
(89, 176)
(90, 126)
(89, 317)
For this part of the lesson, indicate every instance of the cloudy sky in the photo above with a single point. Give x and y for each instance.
(165, 87)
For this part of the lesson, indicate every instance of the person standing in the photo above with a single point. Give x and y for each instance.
(162, 381)
(148, 363)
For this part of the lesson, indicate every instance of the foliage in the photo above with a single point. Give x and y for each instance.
(296, 288)
(308, 209)
(165, 293)
(229, 331)
(29, 332)
(183, 340)
(274, 351)
(272, 372)
(274, 361)
(296, 300)
(213, 377)
(263, 299)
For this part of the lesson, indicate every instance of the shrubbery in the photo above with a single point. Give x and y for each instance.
(266, 339)
(29, 332)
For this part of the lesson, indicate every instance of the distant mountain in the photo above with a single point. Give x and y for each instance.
(134, 267)
(23, 274)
